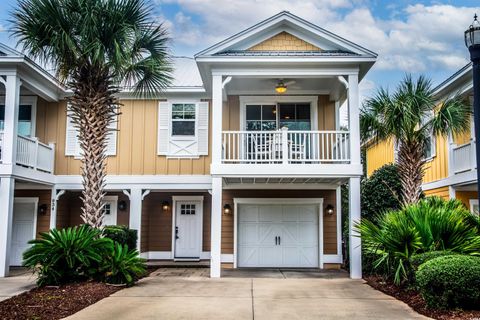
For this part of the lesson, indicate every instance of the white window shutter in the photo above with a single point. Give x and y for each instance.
(72, 145)
(163, 139)
(202, 128)
(111, 149)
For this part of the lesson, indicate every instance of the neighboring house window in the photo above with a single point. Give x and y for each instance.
(474, 208)
(72, 144)
(429, 150)
(25, 120)
(183, 119)
(183, 128)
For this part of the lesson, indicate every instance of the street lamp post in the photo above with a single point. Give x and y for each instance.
(472, 41)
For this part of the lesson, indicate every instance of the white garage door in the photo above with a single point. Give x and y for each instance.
(277, 236)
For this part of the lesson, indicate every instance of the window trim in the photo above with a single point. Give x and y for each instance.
(433, 140)
(29, 101)
(170, 123)
(269, 100)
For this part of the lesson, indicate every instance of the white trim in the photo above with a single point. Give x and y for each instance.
(473, 202)
(280, 186)
(332, 258)
(313, 100)
(167, 255)
(459, 178)
(286, 201)
(176, 199)
(338, 195)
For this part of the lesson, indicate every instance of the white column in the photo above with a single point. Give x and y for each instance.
(217, 106)
(56, 194)
(216, 228)
(12, 98)
(354, 118)
(136, 212)
(7, 186)
(354, 217)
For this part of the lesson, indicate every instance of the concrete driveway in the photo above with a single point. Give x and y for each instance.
(20, 280)
(165, 296)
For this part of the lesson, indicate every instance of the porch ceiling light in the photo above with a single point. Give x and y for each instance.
(281, 87)
(472, 34)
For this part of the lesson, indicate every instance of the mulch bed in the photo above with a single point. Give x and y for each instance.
(54, 302)
(416, 302)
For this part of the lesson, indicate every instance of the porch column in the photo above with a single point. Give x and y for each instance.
(354, 217)
(354, 119)
(216, 228)
(7, 186)
(217, 106)
(135, 222)
(56, 194)
(12, 98)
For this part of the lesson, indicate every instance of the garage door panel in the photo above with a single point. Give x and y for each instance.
(295, 225)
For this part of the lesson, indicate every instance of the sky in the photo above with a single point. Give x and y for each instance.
(417, 37)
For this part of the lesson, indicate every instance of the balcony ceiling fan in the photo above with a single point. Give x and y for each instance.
(281, 85)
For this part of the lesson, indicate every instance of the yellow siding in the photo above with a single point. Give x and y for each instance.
(439, 192)
(136, 146)
(378, 155)
(465, 196)
(284, 41)
(437, 167)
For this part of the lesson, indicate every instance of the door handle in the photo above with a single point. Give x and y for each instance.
(176, 233)
(279, 240)
(276, 240)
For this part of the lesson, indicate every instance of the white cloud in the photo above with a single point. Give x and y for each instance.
(415, 38)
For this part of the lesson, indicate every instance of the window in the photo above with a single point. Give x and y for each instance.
(107, 209)
(183, 119)
(188, 209)
(295, 116)
(25, 125)
(429, 150)
(474, 208)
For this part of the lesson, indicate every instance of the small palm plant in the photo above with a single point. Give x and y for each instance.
(95, 46)
(66, 255)
(122, 266)
(411, 115)
(432, 224)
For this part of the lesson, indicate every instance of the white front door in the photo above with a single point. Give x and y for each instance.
(188, 229)
(272, 235)
(110, 211)
(23, 227)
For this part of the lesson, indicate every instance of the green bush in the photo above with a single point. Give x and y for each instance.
(381, 192)
(432, 224)
(450, 282)
(122, 266)
(67, 255)
(418, 259)
(122, 235)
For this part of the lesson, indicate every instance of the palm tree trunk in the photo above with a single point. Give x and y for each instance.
(93, 107)
(410, 167)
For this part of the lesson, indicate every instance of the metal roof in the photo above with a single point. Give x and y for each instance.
(185, 73)
(312, 53)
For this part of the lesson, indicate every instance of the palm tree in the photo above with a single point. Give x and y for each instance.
(410, 116)
(96, 47)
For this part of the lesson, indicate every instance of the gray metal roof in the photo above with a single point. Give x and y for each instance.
(309, 53)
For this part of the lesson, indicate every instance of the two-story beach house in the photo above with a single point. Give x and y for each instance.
(451, 166)
(238, 162)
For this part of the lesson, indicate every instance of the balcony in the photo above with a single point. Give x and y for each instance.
(33, 154)
(285, 147)
(463, 157)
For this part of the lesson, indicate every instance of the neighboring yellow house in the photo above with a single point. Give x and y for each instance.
(450, 170)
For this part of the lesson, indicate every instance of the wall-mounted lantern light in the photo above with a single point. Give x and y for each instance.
(42, 209)
(165, 205)
(329, 210)
(227, 209)
(122, 205)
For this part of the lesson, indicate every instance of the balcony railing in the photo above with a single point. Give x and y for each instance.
(286, 147)
(464, 157)
(33, 154)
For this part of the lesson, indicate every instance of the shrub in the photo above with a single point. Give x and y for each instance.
(418, 259)
(432, 224)
(122, 266)
(66, 255)
(122, 235)
(381, 192)
(450, 282)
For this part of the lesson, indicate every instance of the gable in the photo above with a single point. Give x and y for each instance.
(284, 41)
